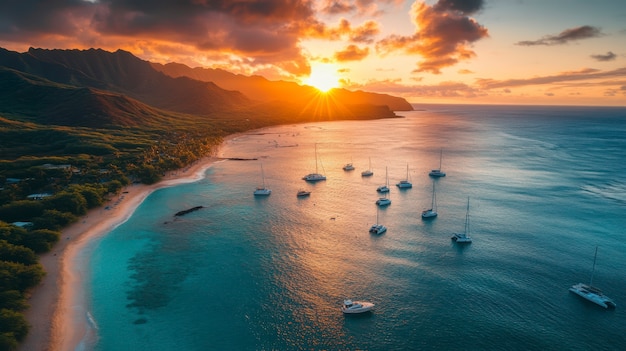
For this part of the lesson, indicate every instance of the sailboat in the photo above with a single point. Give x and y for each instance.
(405, 184)
(384, 188)
(377, 228)
(368, 172)
(464, 237)
(314, 177)
(262, 190)
(348, 166)
(437, 172)
(590, 292)
(432, 211)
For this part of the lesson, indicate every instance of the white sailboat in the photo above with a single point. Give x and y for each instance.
(262, 190)
(432, 211)
(314, 177)
(368, 172)
(590, 292)
(437, 172)
(384, 188)
(377, 228)
(464, 237)
(405, 184)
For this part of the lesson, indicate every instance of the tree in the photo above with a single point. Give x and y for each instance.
(18, 254)
(66, 201)
(14, 323)
(54, 220)
(41, 240)
(22, 210)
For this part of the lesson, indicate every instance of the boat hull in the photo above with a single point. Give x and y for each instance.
(314, 177)
(429, 214)
(357, 307)
(262, 192)
(461, 238)
(592, 294)
(378, 229)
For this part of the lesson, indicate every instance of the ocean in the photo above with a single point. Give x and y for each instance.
(546, 185)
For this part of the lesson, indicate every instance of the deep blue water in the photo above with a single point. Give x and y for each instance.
(546, 184)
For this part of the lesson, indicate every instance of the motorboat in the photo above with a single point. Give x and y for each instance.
(303, 193)
(350, 306)
(590, 292)
(464, 237)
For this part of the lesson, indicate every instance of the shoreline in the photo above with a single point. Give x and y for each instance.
(55, 315)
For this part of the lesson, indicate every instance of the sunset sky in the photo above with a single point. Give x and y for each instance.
(565, 52)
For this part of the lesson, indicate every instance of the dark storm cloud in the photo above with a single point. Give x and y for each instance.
(566, 36)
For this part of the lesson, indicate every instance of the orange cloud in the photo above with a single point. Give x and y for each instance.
(351, 53)
(443, 37)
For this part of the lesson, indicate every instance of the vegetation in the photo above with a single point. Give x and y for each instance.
(66, 172)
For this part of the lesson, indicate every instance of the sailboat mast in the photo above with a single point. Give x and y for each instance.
(440, 156)
(467, 218)
(432, 205)
(593, 270)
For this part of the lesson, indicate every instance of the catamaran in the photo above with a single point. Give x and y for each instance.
(368, 172)
(314, 177)
(405, 184)
(262, 190)
(377, 228)
(437, 172)
(384, 188)
(432, 211)
(590, 292)
(464, 237)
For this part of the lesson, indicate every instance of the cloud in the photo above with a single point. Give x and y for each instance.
(444, 34)
(465, 71)
(609, 56)
(351, 53)
(264, 31)
(334, 7)
(585, 74)
(566, 36)
(364, 33)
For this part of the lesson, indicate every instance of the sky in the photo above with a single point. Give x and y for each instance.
(540, 52)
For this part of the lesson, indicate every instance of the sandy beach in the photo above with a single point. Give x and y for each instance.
(56, 312)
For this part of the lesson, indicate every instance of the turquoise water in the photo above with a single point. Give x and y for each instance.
(547, 184)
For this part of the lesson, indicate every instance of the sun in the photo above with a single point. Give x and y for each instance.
(323, 77)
